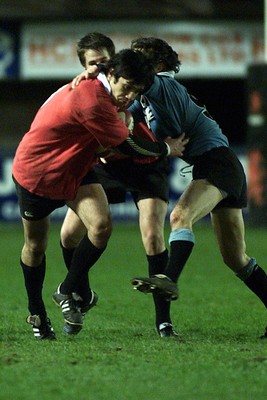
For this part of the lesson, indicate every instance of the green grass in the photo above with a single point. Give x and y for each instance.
(118, 355)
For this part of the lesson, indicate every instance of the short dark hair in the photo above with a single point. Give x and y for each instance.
(157, 51)
(94, 41)
(133, 66)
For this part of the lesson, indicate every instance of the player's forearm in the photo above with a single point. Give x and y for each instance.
(139, 147)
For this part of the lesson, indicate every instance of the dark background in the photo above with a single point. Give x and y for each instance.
(226, 99)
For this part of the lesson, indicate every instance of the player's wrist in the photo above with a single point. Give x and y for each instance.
(168, 149)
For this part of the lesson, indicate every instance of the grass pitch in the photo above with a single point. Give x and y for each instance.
(118, 355)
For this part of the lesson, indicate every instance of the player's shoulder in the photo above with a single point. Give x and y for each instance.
(86, 83)
(86, 87)
(92, 89)
(170, 81)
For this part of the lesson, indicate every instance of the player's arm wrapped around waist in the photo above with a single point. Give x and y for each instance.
(138, 147)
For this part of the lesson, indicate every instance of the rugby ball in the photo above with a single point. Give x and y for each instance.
(127, 118)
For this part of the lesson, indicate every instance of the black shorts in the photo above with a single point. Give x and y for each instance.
(141, 180)
(33, 207)
(221, 167)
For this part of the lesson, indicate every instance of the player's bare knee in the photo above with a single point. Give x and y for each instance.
(70, 242)
(35, 246)
(70, 239)
(103, 229)
(33, 253)
(179, 218)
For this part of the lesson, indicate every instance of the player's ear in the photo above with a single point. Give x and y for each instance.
(110, 73)
(160, 67)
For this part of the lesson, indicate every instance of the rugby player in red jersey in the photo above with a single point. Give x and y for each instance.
(50, 165)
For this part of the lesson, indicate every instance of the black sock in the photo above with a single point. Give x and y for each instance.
(257, 282)
(83, 288)
(156, 265)
(67, 255)
(180, 251)
(84, 257)
(34, 279)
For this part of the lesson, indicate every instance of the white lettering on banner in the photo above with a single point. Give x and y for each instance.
(6, 182)
(205, 49)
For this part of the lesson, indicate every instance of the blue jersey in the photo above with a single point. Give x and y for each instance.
(169, 110)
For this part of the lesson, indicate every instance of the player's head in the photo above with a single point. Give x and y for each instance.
(129, 73)
(158, 52)
(95, 48)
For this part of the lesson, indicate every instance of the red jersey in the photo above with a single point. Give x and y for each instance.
(59, 149)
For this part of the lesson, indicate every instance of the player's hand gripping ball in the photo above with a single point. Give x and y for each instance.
(127, 118)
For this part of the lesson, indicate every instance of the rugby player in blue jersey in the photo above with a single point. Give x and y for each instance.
(218, 186)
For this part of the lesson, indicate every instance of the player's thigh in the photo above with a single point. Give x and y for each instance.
(91, 205)
(228, 225)
(198, 199)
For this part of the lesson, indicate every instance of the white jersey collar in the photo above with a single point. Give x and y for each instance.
(171, 74)
(102, 78)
